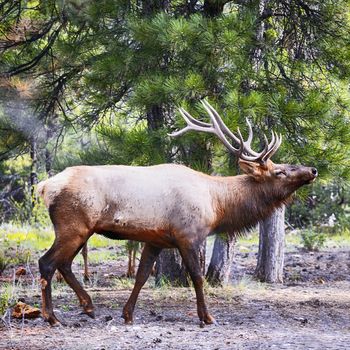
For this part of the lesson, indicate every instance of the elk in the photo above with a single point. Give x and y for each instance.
(164, 206)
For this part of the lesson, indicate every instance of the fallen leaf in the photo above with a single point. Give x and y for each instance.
(20, 271)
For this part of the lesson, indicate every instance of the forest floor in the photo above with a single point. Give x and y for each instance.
(311, 310)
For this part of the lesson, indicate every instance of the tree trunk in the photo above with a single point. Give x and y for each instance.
(271, 248)
(271, 235)
(155, 117)
(151, 7)
(33, 171)
(170, 268)
(214, 8)
(219, 269)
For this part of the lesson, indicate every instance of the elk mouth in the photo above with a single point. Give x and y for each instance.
(308, 182)
(314, 174)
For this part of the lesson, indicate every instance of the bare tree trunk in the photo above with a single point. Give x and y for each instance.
(271, 248)
(213, 8)
(221, 260)
(170, 268)
(271, 230)
(150, 7)
(155, 117)
(33, 171)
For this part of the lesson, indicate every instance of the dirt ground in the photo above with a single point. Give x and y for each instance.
(311, 310)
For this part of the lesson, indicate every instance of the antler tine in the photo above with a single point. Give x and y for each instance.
(193, 120)
(197, 125)
(273, 139)
(242, 155)
(274, 148)
(250, 136)
(247, 153)
(192, 124)
(212, 112)
(217, 123)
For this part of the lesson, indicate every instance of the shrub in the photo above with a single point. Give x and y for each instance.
(5, 300)
(4, 261)
(312, 240)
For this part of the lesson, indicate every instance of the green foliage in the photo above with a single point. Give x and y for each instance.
(4, 261)
(312, 240)
(129, 146)
(39, 214)
(119, 69)
(5, 300)
(325, 206)
(19, 243)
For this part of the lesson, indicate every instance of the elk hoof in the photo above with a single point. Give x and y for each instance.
(210, 320)
(87, 278)
(53, 321)
(127, 319)
(90, 313)
(207, 320)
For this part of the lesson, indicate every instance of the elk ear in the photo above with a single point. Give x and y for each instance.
(251, 168)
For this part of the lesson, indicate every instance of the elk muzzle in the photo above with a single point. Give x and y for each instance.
(312, 174)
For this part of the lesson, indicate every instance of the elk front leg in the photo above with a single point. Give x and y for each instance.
(148, 257)
(190, 257)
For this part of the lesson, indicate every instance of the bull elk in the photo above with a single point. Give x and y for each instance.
(165, 206)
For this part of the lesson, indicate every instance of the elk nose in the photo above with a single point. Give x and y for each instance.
(314, 171)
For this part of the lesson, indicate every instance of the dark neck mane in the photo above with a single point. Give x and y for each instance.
(242, 202)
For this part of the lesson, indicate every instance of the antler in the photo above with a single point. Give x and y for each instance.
(218, 127)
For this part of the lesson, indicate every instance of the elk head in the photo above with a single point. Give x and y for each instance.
(284, 178)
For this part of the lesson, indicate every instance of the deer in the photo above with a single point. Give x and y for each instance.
(164, 206)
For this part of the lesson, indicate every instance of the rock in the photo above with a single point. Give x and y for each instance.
(22, 309)
(302, 320)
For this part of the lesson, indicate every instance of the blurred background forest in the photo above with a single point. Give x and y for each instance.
(99, 82)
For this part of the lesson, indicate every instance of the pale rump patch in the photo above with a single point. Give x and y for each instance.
(50, 188)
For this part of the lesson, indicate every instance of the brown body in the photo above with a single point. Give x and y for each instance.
(165, 206)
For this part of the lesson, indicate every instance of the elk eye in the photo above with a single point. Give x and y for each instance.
(280, 173)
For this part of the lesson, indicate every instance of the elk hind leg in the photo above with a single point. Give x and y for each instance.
(84, 253)
(148, 257)
(65, 268)
(60, 256)
(47, 267)
(190, 256)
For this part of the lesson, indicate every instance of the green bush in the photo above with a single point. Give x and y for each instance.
(4, 302)
(4, 261)
(313, 240)
(324, 206)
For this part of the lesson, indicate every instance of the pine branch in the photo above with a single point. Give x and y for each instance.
(33, 62)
